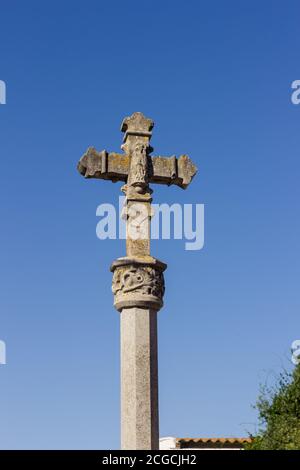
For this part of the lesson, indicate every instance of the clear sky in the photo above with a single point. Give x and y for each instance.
(216, 78)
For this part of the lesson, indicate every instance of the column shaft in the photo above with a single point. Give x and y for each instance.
(139, 379)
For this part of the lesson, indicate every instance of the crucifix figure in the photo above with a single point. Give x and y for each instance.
(138, 281)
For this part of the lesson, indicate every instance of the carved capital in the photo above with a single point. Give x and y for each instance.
(138, 282)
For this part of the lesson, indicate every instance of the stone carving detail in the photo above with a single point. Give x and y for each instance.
(137, 124)
(138, 285)
(145, 280)
(138, 173)
(136, 166)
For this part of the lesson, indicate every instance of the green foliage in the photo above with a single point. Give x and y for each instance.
(279, 414)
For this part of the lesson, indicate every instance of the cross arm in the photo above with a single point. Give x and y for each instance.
(103, 165)
(115, 167)
(172, 170)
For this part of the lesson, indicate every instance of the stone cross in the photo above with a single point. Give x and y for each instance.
(138, 281)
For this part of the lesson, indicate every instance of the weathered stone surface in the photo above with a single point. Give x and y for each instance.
(137, 124)
(139, 379)
(115, 167)
(138, 214)
(138, 282)
(138, 175)
(171, 170)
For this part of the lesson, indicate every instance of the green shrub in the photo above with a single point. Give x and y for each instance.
(279, 414)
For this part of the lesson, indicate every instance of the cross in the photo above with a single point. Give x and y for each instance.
(138, 281)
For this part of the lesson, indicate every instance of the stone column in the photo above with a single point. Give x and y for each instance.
(139, 379)
(138, 283)
(138, 287)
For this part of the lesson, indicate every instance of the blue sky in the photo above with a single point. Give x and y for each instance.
(216, 78)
